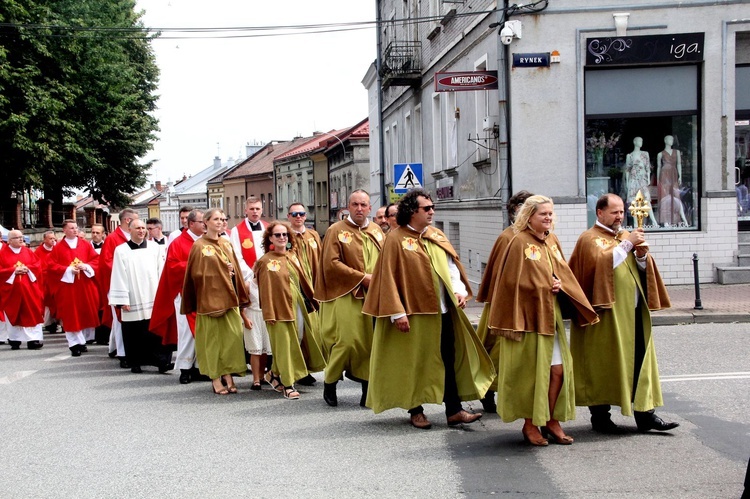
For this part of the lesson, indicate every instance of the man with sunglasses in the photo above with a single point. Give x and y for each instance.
(308, 245)
(425, 349)
(350, 252)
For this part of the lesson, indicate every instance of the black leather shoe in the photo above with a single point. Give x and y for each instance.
(83, 348)
(185, 376)
(112, 354)
(74, 351)
(166, 367)
(606, 426)
(124, 363)
(363, 399)
(488, 402)
(14, 345)
(34, 345)
(308, 380)
(136, 370)
(650, 421)
(329, 394)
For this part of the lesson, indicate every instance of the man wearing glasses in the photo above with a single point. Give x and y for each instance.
(425, 350)
(350, 251)
(21, 293)
(308, 245)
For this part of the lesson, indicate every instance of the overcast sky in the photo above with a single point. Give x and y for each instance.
(234, 91)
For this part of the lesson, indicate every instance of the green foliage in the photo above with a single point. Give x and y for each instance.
(75, 103)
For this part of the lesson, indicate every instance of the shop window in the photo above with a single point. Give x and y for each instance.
(642, 131)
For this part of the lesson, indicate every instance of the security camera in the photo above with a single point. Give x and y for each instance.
(511, 30)
(506, 35)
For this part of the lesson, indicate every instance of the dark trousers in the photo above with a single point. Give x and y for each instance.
(142, 347)
(448, 353)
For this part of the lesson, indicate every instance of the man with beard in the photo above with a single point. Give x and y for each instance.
(614, 361)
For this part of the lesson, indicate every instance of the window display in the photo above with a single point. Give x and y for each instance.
(656, 155)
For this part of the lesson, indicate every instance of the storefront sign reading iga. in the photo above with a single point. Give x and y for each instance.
(647, 49)
(467, 80)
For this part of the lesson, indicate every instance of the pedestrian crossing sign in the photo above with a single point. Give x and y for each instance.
(409, 177)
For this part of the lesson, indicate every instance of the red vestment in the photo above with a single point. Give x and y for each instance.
(163, 318)
(47, 285)
(77, 302)
(23, 300)
(104, 273)
(247, 244)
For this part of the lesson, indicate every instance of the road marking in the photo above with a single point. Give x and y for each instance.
(707, 376)
(15, 377)
(61, 356)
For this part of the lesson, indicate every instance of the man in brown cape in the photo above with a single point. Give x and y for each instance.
(614, 361)
(424, 349)
(350, 252)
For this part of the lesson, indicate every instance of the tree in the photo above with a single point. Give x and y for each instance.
(77, 89)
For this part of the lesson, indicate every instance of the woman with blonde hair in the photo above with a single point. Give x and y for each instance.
(533, 288)
(214, 289)
(286, 299)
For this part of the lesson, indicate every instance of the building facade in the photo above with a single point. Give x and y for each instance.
(613, 97)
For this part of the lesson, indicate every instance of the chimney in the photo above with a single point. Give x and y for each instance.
(217, 162)
(158, 185)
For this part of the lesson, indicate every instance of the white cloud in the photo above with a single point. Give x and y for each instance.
(239, 90)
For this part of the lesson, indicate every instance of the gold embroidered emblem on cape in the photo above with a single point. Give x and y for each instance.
(602, 242)
(556, 252)
(313, 244)
(247, 243)
(533, 252)
(379, 236)
(437, 236)
(208, 251)
(346, 237)
(75, 262)
(409, 243)
(274, 265)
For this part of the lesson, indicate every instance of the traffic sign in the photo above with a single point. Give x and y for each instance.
(409, 177)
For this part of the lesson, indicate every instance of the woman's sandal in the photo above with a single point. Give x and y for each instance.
(274, 381)
(223, 390)
(535, 440)
(291, 393)
(256, 386)
(563, 440)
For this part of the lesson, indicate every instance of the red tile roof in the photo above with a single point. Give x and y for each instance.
(262, 161)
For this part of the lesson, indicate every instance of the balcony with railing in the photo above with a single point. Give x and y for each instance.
(402, 64)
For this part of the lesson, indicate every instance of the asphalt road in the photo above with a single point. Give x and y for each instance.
(82, 427)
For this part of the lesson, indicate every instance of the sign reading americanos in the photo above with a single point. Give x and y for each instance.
(466, 80)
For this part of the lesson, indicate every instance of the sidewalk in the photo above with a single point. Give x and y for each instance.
(722, 303)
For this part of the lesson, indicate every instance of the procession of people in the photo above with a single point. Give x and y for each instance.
(379, 301)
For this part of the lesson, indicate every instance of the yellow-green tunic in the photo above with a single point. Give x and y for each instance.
(294, 357)
(219, 344)
(406, 369)
(523, 378)
(345, 332)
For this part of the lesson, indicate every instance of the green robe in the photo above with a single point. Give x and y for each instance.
(490, 341)
(603, 354)
(294, 358)
(406, 369)
(523, 378)
(219, 346)
(345, 332)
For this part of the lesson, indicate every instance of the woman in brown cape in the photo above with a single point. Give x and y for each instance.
(533, 287)
(286, 300)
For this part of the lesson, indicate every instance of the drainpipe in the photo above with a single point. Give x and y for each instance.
(504, 163)
(381, 138)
